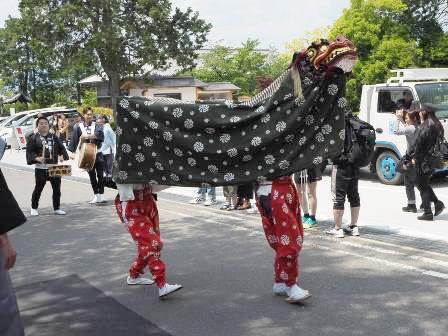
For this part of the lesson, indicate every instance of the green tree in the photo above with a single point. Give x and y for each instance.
(122, 35)
(241, 67)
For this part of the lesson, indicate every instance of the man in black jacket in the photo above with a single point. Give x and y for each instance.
(89, 131)
(44, 148)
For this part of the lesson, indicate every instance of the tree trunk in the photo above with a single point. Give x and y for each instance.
(114, 85)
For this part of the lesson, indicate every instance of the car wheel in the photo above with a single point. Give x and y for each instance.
(387, 168)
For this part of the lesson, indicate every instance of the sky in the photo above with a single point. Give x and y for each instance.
(273, 22)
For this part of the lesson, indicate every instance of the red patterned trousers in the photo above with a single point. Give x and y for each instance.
(283, 228)
(142, 221)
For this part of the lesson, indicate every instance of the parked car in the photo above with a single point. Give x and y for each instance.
(25, 125)
(6, 127)
(378, 105)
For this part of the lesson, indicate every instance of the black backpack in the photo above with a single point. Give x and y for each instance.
(360, 141)
(439, 154)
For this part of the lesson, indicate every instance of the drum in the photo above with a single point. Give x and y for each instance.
(59, 170)
(87, 156)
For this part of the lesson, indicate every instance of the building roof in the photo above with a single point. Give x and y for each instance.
(220, 86)
(93, 79)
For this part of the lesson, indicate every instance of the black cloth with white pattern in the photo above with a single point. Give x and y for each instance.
(280, 131)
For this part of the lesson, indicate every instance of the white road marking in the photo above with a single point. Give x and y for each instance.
(377, 260)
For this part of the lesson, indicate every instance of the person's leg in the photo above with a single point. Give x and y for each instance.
(93, 181)
(354, 200)
(422, 182)
(10, 322)
(40, 176)
(99, 168)
(56, 185)
(212, 192)
(289, 235)
(264, 204)
(339, 192)
(312, 196)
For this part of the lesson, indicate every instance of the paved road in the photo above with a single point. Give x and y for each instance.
(70, 276)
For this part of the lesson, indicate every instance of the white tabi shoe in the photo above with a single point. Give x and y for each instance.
(168, 289)
(139, 281)
(100, 198)
(280, 289)
(59, 212)
(94, 200)
(297, 294)
(34, 212)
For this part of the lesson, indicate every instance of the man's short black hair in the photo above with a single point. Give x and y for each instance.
(42, 118)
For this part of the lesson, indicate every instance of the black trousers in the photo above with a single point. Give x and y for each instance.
(96, 175)
(108, 163)
(245, 191)
(409, 182)
(426, 192)
(42, 177)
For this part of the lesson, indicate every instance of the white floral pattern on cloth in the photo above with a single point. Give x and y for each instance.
(188, 124)
(204, 108)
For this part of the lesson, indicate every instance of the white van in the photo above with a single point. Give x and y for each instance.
(378, 106)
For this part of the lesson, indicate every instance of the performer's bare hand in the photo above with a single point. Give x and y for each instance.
(40, 159)
(61, 159)
(9, 253)
(71, 156)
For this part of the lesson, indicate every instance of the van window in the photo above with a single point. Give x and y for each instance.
(390, 100)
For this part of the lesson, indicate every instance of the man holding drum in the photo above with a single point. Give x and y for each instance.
(89, 132)
(44, 149)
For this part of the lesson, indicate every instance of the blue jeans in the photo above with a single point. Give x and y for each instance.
(207, 188)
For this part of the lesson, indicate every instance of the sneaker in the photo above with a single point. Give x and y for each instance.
(410, 208)
(355, 231)
(94, 200)
(225, 206)
(426, 217)
(168, 289)
(311, 221)
(210, 202)
(306, 224)
(253, 210)
(438, 208)
(59, 212)
(197, 200)
(338, 233)
(280, 289)
(34, 212)
(297, 294)
(139, 281)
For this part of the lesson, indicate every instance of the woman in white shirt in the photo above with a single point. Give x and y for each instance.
(108, 147)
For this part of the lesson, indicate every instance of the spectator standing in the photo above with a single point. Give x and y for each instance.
(408, 127)
(231, 198)
(428, 134)
(108, 146)
(62, 126)
(201, 195)
(306, 182)
(344, 184)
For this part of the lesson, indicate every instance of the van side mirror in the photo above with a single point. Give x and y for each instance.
(379, 130)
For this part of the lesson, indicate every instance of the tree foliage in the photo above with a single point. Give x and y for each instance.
(121, 35)
(241, 67)
(391, 34)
